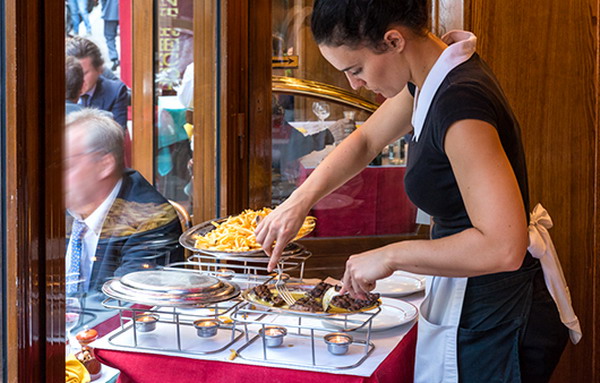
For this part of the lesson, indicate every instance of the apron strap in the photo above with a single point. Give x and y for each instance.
(542, 247)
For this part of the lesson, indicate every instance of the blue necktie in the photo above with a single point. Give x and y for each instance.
(73, 274)
(85, 100)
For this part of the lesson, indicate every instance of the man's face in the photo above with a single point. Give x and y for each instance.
(90, 74)
(82, 172)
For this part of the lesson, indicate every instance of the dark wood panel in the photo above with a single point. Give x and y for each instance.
(234, 109)
(330, 254)
(545, 56)
(34, 131)
(259, 86)
(52, 221)
(205, 123)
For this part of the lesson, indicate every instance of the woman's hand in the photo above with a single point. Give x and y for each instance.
(280, 227)
(363, 270)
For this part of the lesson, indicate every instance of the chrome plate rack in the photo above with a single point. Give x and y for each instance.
(245, 269)
(303, 344)
(175, 331)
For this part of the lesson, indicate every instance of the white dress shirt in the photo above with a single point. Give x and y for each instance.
(94, 224)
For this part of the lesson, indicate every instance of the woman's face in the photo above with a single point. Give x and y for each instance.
(385, 73)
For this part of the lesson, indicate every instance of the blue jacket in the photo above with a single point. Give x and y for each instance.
(110, 10)
(118, 255)
(111, 95)
(71, 107)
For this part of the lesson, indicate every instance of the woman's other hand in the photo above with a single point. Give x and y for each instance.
(279, 228)
(363, 270)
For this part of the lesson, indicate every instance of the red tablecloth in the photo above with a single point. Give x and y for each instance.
(372, 203)
(149, 368)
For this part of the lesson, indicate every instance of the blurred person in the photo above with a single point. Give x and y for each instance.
(98, 92)
(73, 85)
(79, 13)
(110, 15)
(118, 222)
(292, 144)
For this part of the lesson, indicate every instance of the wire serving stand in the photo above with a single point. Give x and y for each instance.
(177, 320)
(250, 268)
(306, 331)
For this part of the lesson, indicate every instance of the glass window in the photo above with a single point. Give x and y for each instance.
(118, 222)
(314, 109)
(174, 77)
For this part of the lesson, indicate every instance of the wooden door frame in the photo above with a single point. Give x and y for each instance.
(142, 94)
(35, 237)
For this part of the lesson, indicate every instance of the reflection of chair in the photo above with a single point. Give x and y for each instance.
(184, 218)
(182, 213)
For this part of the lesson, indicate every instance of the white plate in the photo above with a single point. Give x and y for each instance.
(400, 284)
(394, 313)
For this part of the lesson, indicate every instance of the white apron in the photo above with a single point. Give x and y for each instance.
(439, 314)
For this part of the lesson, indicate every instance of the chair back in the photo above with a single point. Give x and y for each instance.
(184, 218)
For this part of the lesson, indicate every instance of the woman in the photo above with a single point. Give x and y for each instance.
(488, 315)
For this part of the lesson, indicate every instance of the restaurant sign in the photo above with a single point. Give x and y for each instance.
(285, 62)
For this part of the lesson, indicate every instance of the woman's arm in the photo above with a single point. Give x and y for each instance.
(498, 240)
(390, 122)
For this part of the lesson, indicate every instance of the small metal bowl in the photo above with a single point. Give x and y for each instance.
(206, 328)
(146, 322)
(273, 335)
(225, 274)
(338, 342)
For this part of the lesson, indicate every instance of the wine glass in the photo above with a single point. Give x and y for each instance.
(321, 110)
(72, 316)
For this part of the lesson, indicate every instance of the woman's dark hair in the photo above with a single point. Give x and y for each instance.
(365, 22)
(81, 48)
(74, 76)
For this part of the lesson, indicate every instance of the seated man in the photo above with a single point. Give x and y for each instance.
(74, 83)
(118, 222)
(98, 92)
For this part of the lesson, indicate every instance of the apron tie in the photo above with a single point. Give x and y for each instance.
(541, 247)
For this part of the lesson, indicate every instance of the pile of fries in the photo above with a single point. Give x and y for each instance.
(236, 234)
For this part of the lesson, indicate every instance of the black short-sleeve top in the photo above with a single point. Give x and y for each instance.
(470, 91)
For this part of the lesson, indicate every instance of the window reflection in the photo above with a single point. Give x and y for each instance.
(117, 222)
(306, 129)
(174, 90)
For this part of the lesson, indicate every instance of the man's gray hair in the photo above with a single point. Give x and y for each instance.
(102, 133)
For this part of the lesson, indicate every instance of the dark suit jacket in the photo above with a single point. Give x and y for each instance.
(118, 255)
(111, 95)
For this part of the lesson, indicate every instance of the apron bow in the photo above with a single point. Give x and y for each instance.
(542, 247)
(538, 231)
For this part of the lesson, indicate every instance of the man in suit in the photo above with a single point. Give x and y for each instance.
(110, 15)
(118, 222)
(98, 92)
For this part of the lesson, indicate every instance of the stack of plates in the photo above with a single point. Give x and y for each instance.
(400, 284)
(172, 288)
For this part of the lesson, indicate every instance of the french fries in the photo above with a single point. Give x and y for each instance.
(236, 234)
